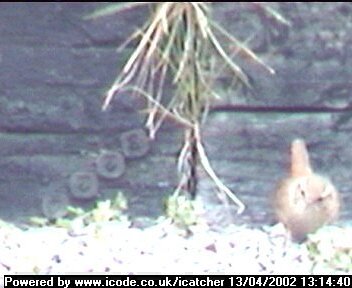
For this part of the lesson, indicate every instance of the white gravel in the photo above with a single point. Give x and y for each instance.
(116, 247)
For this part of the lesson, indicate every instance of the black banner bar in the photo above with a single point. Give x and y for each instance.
(73, 281)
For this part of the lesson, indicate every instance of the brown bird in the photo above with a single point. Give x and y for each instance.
(304, 201)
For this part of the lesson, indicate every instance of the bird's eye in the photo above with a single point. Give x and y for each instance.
(301, 191)
(319, 199)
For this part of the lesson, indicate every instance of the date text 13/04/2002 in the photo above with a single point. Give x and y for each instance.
(290, 281)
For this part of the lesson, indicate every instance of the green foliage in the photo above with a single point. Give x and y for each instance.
(104, 211)
(108, 210)
(181, 210)
(331, 249)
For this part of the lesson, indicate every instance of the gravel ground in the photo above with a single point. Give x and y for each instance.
(119, 247)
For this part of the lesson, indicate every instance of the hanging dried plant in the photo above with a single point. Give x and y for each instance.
(179, 39)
